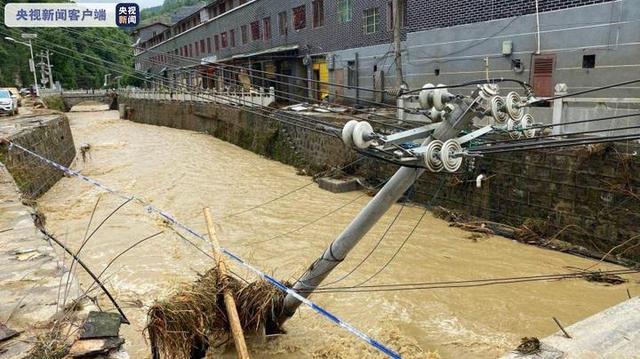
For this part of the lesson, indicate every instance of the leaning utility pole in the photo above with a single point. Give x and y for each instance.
(397, 39)
(459, 119)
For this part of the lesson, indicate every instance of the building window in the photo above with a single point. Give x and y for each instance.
(266, 22)
(345, 10)
(371, 20)
(244, 34)
(282, 23)
(299, 17)
(216, 42)
(202, 46)
(190, 50)
(255, 30)
(181, 52)
(318, 13)
(232, 37)
(588, 61)
(223, 40)
(186, 52)
(208, 45)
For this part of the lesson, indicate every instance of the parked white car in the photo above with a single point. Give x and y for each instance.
(8, 103)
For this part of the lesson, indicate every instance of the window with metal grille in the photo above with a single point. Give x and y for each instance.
(282, 23)
(318, 13)
(232, 37)
(195, 44)
(255, 30)
(345, 10)
(216, 42)
(202, 46)
(371, 20)
(223, 40)
(266, 23)
(299, 17)
(208, 45)
(244, 33)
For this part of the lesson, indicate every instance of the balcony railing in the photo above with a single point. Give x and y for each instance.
(249, 98)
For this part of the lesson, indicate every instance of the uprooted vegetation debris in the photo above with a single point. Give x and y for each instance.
(195, 315)
(605, 278)
(529, 345)
(532, 231)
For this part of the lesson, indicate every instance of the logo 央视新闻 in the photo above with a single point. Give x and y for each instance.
(127, 14)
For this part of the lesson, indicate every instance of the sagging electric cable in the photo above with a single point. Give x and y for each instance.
(282, 117)
(482, 150)
(194, 62)
(261, 274)
(240, 101)
(342, 168)
(290, 95)
(568, 123)
(578, 93)
(409, 235)
(470, 283)
(317, 219)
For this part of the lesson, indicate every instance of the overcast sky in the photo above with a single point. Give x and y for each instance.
(142, 3)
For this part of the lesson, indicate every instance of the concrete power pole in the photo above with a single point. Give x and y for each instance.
(51, 85)
(398, 13)
(459, 119)
(43, 70)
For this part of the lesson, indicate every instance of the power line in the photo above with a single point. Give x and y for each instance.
(294, 120)
(174, 222)
(406, 239)
(197, 62)
(550, 144)
(472, 283)
(544, 126)
(606, 87)
(292, 191)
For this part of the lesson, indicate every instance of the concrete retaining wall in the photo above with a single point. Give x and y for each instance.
(585, 196)
(47, 135)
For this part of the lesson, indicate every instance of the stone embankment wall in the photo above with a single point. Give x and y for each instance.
(586, 196)
(289, 144)
(48, 135)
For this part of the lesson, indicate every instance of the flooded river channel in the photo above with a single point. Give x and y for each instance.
(182, 172)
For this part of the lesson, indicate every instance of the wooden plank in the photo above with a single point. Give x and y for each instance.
(229, 302)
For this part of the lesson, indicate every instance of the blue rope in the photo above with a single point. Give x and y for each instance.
(151, 209)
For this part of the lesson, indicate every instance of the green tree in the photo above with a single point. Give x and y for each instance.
(70, 50)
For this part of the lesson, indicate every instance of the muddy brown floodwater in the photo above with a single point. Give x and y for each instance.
(182, 172)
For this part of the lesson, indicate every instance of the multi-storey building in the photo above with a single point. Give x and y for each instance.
(583, 43)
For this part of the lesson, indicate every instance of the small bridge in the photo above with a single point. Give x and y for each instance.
(75, 97)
